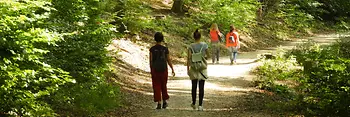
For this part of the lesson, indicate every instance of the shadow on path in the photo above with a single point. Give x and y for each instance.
(228, 91)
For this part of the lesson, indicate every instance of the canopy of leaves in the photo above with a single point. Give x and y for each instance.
(46, 46)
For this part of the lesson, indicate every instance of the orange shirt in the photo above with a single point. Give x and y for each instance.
(230, 43)
(214, 34)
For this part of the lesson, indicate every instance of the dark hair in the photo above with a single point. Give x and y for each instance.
(197, 35)
(232, 27)
(159, 37)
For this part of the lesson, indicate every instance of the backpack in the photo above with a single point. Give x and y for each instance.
(232, 38)
(159, 60)
(197, 60)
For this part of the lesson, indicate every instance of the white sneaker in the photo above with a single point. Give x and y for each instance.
(200, 108)
(193, 106)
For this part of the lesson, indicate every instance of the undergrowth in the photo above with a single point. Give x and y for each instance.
(319, 76)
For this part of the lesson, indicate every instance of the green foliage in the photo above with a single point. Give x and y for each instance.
(47, 49)
(225, 12)
(286, 17)
(25, 76)
(86, 99)
(322, 88)
(326, 80)
(327, 86)
(183, 27)
(300, 15)
(305, 51)
(82, 53)
(344, 47)
(334, 10)
(278, 69)
(130, 15)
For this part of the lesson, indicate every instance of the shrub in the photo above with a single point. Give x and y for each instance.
(25, 76)
(325, 84)
(83, 54)
(277, 69)
(47, 49)
(322, 89)
(86, 99)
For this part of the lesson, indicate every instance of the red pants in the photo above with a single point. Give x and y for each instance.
(159, 81)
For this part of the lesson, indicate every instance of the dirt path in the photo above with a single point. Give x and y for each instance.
(228, 92)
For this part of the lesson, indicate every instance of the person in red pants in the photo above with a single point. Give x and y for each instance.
(159, 58)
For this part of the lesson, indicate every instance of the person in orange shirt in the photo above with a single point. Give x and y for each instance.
(215, 38)
(233, 44)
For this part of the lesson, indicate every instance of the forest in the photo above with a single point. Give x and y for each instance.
(54, 60)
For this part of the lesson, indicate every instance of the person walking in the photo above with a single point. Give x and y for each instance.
(215, 38)
(233, 43)
(197, 68)
(159, 58)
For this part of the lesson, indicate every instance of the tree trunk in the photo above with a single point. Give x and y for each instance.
(178, 6)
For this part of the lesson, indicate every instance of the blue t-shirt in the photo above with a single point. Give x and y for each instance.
(197, 47)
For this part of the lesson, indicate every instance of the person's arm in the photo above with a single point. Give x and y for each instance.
(227, 39)
(220, 34)
(188, 60)
(150, 60)
(209, 40)
(170, 64)
(238, 41)
(206, 54)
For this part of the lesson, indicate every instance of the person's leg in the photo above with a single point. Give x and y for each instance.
(231, 54)
(213, 52)
(164, 81)
(156, 84)
(217, 53)
(234, 56)
(201, 92)
(194, 91)
(235, 53)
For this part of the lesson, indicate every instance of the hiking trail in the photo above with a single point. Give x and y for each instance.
(228, 91)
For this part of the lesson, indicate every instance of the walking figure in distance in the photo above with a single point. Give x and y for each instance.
(215, 38)
(159, 58)
(233, 44)
(197, 68)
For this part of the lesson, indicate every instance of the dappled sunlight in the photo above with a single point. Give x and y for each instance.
(226, 82)
(132, 53)
(223, 69)
(209, 85)
(206, 110)
(216, 87)
(179, 84)
(229, 71)
(138, 90)
(180, 71)
(184, 86)
(224, 77)
(179, 87)
(179, 91)
(144, 81)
